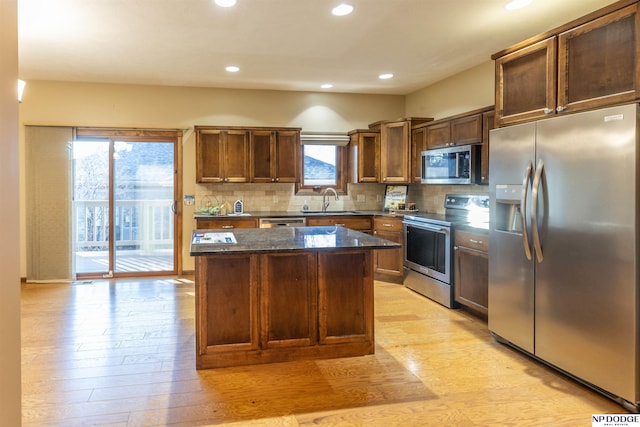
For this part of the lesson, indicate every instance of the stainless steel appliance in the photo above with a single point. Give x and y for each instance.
(282, 222)
(564, 245)
(451, 165)
(428, 245)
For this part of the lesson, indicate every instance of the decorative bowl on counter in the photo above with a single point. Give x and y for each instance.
(210, 210)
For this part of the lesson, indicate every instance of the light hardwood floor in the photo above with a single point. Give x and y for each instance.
(121, 353)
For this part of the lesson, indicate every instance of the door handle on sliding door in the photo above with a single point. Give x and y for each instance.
(523, 210)
(534, 210)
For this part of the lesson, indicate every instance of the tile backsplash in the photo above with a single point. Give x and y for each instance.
(282, 197)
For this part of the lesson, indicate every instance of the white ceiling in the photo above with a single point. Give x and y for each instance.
(278, 44)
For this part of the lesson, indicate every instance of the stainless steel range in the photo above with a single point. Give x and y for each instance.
(428, 260)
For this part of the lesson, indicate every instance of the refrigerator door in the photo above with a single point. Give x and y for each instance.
(511, 271)
(586, 298)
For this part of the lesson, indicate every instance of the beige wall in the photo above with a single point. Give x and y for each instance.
(466, 91)
(10, 398)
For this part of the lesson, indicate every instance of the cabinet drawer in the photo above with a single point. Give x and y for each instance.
(225, 223)
(354, 223)
(472, 240)
(387, 224)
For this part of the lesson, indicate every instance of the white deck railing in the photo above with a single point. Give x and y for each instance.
(138, 224)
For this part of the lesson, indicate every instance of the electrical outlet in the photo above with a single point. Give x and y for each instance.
(378, 198)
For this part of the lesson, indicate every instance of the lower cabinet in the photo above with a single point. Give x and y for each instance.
(225, 223)
(282, 306)
(387, 264)
(471, 270)
(359, 223)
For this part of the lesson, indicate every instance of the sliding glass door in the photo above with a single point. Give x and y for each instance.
(124, 206)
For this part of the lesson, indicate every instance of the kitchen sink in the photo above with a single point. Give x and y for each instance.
(329, 212)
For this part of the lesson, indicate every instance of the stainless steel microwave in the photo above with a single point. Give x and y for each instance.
(451, 165)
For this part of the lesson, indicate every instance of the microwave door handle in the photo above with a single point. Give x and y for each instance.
(457, 165)
(534, 211)
(523, 210)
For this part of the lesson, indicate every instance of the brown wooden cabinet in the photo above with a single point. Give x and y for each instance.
(274, 155)
(458, 130)
(364, 158)
(395, 150)
(358, 222)
(282, 306)
(471, 270)
(388, 264)
(488, 123)
(588, 63)
(418, 145)
(226, 223)
(222, 155)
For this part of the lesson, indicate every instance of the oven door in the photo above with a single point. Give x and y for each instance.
(427, 250)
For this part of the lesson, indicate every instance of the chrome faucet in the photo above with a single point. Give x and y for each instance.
(325, 202)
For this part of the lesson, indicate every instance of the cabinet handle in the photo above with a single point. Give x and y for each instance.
(387, 225)
(341, 225)
(455, 248)
(560, 108)
(548, 110)
(475, 241)
(227, 226)
(277, 179)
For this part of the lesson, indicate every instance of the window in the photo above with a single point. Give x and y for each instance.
(323, 163)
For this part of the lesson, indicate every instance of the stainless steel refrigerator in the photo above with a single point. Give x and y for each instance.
(563, 276)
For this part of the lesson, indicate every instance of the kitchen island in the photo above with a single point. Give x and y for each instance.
(282, 294)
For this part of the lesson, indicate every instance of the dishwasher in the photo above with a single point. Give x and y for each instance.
(282, 222)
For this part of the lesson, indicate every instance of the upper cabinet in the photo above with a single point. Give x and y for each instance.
(455, 131)
(364, 155)
(591, 62)
(222, 155)
(274, 155)
(395, 150)
(251, 154)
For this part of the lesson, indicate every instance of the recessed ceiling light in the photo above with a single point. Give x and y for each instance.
(517, 4)
(225, 3)
(385, 76)
(326, 86)
(342, 9)
(232, 69)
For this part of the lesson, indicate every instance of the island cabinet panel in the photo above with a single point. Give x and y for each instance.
(229, 326)
(345, 284)
(289, 301)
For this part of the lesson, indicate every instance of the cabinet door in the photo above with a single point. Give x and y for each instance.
(289, 298)
(236, 156)
(262, 156)
(287, 155)
(209, 155)
(466, 130)
(345, 302)
(230, 326)
(526, 83)
(365, 156)
(598, 63)
(471, 279)
(394, 152)
(418, 145)
(439, 135)
(488, 123)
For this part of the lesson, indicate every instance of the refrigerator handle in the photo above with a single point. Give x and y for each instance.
(534, 211)
(523, 210)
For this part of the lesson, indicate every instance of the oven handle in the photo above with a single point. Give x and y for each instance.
(426, 227)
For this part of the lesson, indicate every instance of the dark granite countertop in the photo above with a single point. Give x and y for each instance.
(296, 214)
(287, 239)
